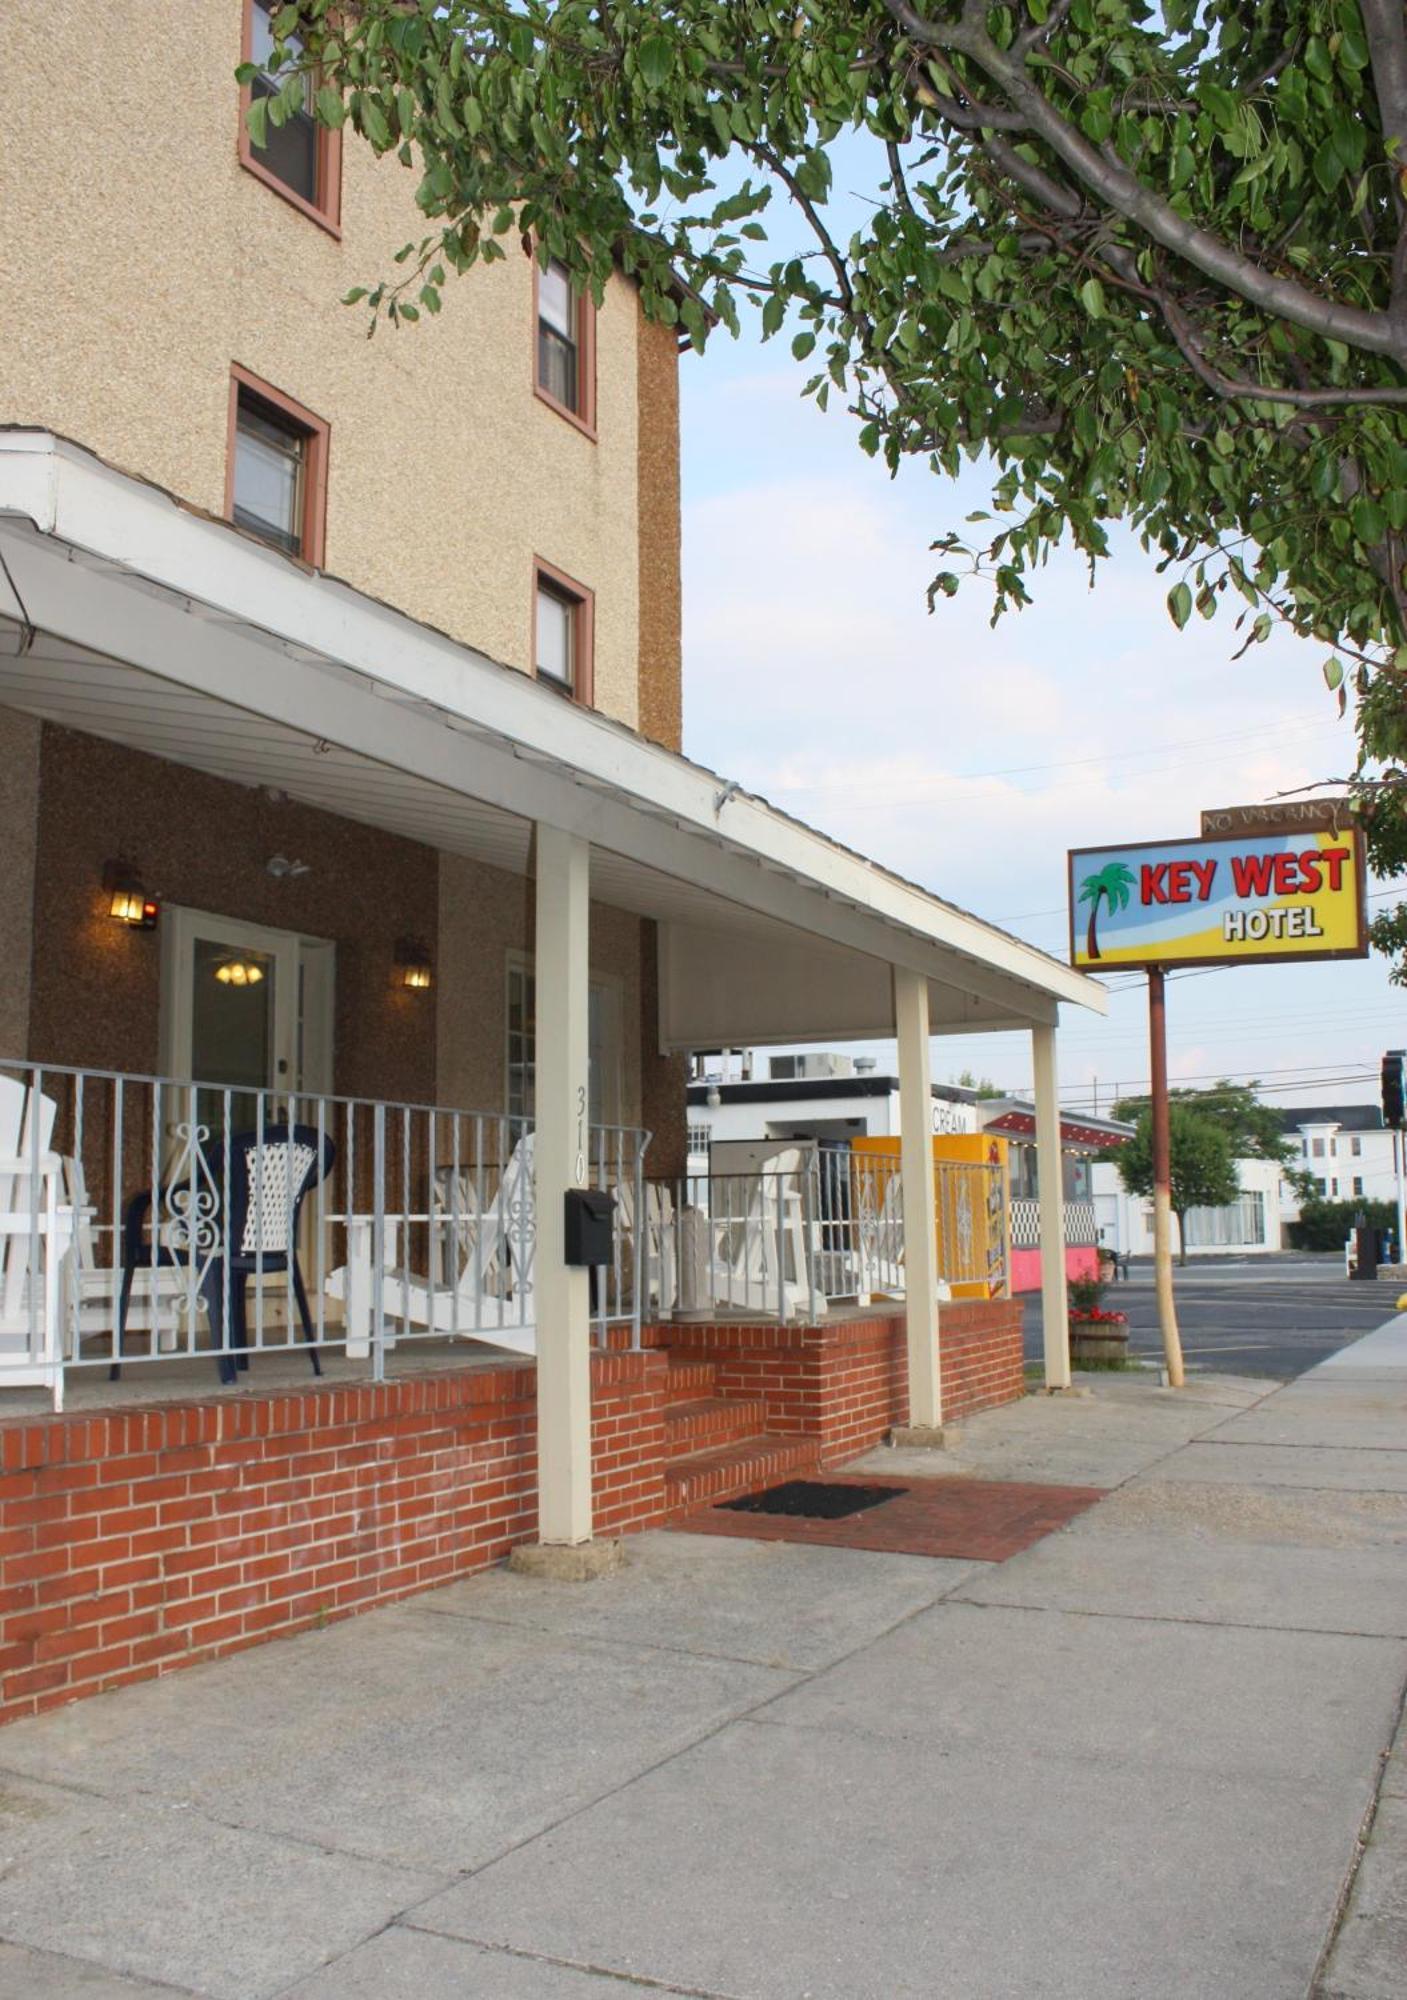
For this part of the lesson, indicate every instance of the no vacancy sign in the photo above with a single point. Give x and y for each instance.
(1297, 893)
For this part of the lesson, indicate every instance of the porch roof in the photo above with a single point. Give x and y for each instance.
(128, 615)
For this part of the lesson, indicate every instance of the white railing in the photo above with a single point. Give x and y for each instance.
(790, 1242)
(143, 1218)
(1081, 1229)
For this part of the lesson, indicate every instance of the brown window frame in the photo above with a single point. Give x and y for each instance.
(326, 211)
(583, 602)
(584, 419)
(317, 432)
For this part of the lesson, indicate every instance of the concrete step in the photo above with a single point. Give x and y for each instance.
(686, 1379)
(706, 1477)
(704, 1423)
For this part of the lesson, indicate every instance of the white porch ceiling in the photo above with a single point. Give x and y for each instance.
(126, 622)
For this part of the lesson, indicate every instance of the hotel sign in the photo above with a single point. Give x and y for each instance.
(1296, 893)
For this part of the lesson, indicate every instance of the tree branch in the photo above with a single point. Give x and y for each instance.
(1114, 187)
(1230, 389)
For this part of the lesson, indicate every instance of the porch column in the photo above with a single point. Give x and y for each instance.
(920, 1224)
(1055, 1323)
(560, 1154)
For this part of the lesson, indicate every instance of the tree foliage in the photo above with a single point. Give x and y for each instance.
(1203, 1169)
(1253, 1130)
(1149, 262)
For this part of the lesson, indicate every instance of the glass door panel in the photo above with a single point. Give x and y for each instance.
(234, 1011)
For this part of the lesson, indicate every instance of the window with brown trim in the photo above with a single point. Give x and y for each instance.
(564, 348)
(276, 478)
(300, 158)
(563, 632)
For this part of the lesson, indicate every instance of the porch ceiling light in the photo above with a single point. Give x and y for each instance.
(413, 964)
(236, 971)
(128, 901)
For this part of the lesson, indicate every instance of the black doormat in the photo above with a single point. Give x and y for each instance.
(814, 1499)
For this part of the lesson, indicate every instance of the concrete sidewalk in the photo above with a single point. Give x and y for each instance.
(1136, 1760)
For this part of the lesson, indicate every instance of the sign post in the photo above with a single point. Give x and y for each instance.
(1262, 885)
(1162, 1174)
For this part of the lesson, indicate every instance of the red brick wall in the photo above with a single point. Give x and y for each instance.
(846, 1383)
(142, 1540)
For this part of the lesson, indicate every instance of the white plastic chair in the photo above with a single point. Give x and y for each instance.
(36, 1238)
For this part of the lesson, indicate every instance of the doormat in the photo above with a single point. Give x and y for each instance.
(814, 1499)
(980, 1520)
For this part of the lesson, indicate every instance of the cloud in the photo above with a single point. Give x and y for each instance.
(971, 758)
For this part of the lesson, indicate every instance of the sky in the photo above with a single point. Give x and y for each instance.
(971, 759)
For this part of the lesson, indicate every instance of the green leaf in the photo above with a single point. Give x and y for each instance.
(656, 59)
(1091, 295)
(1333, 672)
(803, 345)
(256, 120)
(1180, 604)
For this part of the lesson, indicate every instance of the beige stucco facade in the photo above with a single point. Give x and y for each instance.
(143, 260)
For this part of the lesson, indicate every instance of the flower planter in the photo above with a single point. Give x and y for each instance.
(1101, 1337)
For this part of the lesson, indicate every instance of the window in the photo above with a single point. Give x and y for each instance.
(563, 622)
(1333, 1149)
(1318, 1149)
(1333, 1187)
(604, 1045)
(564, 365)
(1304, 1149)
(1355, 1146)
(300, 158)
(700, 1138)
(1358, 1183)
(277, 475)
(1321, 1184)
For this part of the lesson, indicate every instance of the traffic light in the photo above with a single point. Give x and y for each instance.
(1393, 1063)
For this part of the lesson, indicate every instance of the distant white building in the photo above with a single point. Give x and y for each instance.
(1247, 1226)
(821, 1095)
(1346, 1148)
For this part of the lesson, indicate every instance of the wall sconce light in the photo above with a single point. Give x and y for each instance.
(412, 964)
(128, 901)
(236, 971)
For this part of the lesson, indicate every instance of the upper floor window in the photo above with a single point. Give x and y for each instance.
(562, 632)
(277, 477)
(565, 362)
(300, 158)
(1356, 1147)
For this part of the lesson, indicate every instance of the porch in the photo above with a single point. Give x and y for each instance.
(319, 789)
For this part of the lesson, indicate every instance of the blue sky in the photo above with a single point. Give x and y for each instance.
(970, 759)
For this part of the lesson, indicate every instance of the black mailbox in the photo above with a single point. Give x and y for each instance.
(590, 1226)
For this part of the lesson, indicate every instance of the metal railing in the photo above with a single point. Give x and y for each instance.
(144, 1218)
(791, 1243)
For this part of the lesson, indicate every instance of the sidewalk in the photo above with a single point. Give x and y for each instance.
(1135, 1760)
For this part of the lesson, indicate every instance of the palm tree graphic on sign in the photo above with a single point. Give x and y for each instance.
(1112, 886)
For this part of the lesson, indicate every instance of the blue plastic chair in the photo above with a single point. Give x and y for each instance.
(271, 1173)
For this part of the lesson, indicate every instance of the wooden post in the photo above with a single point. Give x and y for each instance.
(1162, 1175)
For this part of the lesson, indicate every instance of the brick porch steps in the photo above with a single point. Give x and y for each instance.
(689, 1378)
(706, 1477)
(705, 1423)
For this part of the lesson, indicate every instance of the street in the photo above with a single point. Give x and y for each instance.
(1271, 1316)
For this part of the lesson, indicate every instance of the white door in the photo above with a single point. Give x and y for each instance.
(244, 1008)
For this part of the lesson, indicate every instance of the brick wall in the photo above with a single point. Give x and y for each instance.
(137, 1541)
(846, 1382)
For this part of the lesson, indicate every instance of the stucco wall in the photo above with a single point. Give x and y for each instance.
(141, 260)
(19, 798)
(661, 597)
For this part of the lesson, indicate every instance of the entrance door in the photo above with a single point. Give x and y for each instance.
(244, 1008)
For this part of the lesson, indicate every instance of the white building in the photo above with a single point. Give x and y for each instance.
(1250, 1225)
(821, 1095)
(1346, 1148)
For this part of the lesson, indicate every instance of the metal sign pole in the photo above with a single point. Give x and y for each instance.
(1162, 1175)
(1401, 1245)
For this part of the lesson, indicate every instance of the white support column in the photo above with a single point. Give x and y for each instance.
(920, 1223)
(560, 1148)
(1055, 1320)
